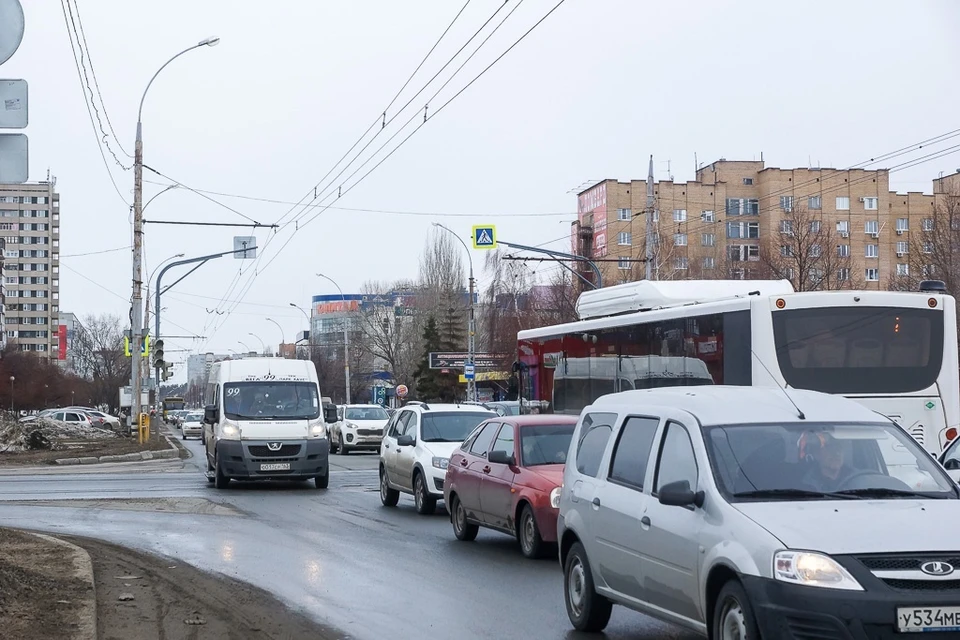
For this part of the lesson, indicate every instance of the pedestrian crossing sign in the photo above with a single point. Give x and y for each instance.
(484, 237)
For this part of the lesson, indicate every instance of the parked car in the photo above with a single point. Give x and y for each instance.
(72, 416)
(99, 418)
(417, 447)
(506, 476)
(360, 426)
(749, 512)
(191, 425)
(46, 413)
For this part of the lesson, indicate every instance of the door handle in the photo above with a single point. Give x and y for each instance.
(463, 462)
(596, 502)
(486, 469)
(398, 449)
(645, 522)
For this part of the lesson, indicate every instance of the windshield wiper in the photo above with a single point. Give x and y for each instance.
(792, 493)
(882, 492)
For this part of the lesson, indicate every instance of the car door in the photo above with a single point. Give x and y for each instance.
(389, 447)
(621, 506)
(58, 416)
(671, 535)
(496, 487)
(471, 470)
(407, 456)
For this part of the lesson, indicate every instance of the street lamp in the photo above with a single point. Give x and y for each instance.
(309, 329)
(282, 338)
(136, 298)
(262, 343)
(12, 378)
(346, 336)
(471, 323)
(244, 345)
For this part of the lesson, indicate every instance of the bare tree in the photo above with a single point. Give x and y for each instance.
(933, 251)
(99, 357)
(390, 325)
(809, 253)
(442, 275)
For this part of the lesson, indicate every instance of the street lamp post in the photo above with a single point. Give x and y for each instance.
(346, 337)
(244, 345)
(12, 378)
(471, 323)
(309, 330)
(282, 337)
(263, 344)
(136, 312)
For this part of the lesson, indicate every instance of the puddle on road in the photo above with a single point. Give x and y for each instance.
(191, 506)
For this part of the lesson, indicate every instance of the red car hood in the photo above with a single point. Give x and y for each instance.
(552, 473)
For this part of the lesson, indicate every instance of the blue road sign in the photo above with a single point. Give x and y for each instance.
(484, 236)
(379, 395)
(469, 371)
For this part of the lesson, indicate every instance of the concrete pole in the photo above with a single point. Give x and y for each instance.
(651, 204)
(136, 302)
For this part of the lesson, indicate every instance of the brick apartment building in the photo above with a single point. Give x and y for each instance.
(740, 219)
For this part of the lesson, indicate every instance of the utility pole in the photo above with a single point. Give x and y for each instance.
(471, 341)
(651, 203)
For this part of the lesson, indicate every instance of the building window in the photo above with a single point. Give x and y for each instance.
(843, 228)
(903, 224)
(843, 203)
(786, 203)
(843, 274)
(623, 263)
(872, 275)
(814, 202)
(624, 214)
(928, 247)
(743, 229)
(748, 181)
(815, 251)
(843, 251)
(927, 271)
(706, 216)
(872, 227)
(927, 224)
(814, 226)
(903, 269)
(709, 263)
(624, 238)
(744, 252)
(870, 204)
(871, 251)
(680, 239)
(680, 263)
(743, 207)
(902, 248)
(786, 227)
(786, 250)
(679, 215)
(708, 239)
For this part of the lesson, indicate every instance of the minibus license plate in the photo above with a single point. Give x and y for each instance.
(921, 619)
(277, 466)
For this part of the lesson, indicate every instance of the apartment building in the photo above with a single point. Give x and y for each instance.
(739, 219)
(30, 229)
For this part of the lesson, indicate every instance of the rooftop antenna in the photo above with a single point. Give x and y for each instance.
(784, 388)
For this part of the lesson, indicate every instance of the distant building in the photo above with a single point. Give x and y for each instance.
(66, 335)
(198, 366)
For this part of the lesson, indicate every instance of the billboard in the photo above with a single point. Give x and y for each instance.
(339, 306)
(62, 342)
(592, 203)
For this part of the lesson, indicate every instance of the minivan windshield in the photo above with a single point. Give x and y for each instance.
(271, 400)
(366, 413)
(822, 461)
(451, 426)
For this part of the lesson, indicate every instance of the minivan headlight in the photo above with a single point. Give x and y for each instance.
(318, 430)
(230, 432)
(813, 570)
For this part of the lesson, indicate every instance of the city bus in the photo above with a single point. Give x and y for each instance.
(171, 403)
(894, 352)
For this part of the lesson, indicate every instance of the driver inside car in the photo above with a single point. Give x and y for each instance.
(826, 455)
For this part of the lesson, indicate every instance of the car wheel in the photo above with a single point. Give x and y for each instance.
(389, 497)
(531, 543)
(588, 610)
(426, 504)
(210, 472)
(220, 481)
(461, 528)
(733, 616)
(321, 482)
(343, 449)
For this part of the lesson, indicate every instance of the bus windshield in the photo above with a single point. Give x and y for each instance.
(848, 350)
(271, 400)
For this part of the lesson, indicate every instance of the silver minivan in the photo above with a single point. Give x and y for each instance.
(747, 512)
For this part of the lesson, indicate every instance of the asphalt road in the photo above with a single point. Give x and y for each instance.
(338, 555)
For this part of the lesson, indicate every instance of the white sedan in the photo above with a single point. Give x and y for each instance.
(192, 425)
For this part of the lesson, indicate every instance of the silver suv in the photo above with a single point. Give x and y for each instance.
(742, 512)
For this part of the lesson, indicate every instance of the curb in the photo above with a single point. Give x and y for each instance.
(83, 569)
(172, 452)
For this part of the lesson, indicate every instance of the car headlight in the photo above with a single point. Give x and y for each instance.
(349, 425)
(813, 570)
(318, 430)
(230, 432)
(441, 463)
(555, 498)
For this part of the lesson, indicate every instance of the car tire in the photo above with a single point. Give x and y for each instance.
(733, 614)
(330, 440)
(322, 482)
(528, 534)
(426, 504)
(344, 450)
(389, 497)
(210, 472)
(588, 610)
(458, 517)
(220, 481)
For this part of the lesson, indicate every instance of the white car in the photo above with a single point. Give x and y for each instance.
(192, 425)
(417, 446)
(360, 427)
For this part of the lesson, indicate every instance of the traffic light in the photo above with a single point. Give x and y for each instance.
(166, 374)
(158, 362)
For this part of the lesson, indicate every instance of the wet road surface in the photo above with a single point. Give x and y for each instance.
(337, 554)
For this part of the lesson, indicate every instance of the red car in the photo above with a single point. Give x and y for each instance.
(506, 476)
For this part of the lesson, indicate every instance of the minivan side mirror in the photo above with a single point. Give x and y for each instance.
(952, 464)
(211, 414)
(501, 457)
(330, 413)
(679, 494)
(406, 441)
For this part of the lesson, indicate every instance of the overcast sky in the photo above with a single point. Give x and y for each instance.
(589, 94)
